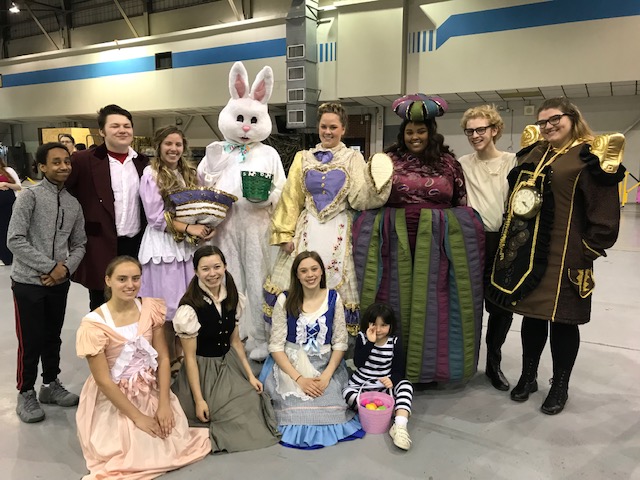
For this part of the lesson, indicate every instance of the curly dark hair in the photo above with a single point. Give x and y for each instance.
(436, 147)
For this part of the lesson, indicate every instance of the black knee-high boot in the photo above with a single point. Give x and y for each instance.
(534, 337)
(497, 329)
(565, 343)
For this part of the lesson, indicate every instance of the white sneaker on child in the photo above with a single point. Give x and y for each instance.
(400, 436)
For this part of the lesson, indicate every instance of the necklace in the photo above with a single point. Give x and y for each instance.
(483, 164)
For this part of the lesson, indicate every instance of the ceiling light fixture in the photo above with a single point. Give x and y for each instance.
(14, 8)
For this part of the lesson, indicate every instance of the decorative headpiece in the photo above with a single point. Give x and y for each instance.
(419, 107)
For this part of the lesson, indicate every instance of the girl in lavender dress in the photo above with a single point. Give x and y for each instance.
(423, 253)
(166, 262)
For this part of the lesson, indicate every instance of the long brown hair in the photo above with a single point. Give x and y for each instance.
(295, 296)
(580, 129)
(194, 296)
(165, 179)
(113, 264)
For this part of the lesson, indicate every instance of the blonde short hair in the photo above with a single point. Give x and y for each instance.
(488, 112)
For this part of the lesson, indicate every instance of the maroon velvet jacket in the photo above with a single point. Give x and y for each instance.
(90, 183)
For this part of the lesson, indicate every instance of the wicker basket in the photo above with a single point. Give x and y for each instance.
(203, 205)
(256, 186)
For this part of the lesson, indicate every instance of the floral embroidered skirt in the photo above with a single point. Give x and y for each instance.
(332, 240)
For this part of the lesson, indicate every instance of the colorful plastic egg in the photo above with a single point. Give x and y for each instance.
(381, 407)
(371, 406)
(364, 403)
(378, 403)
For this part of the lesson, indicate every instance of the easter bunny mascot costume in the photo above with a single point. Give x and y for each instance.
(253, 172)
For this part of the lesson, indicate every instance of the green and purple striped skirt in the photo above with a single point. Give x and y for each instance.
(427, 264)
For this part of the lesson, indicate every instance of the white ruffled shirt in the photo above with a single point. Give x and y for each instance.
(137, 355)
(185, 321)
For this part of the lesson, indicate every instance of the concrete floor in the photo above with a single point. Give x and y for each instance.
(473, 432)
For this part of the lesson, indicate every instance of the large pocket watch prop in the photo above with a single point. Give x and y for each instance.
(521, 259)
(526, 202)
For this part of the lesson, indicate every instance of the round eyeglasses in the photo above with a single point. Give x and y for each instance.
(480, 130)
(553, 121)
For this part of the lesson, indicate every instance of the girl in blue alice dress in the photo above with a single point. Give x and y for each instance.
(304, 374)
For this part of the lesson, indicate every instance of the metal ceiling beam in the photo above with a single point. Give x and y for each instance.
(4, 32)
(238, 15)
(35, 19)
(147, 8)
(67, 19)
(126, 19)
(215, 131)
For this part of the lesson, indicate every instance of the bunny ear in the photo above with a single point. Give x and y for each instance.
(262, 86)
(238, 81)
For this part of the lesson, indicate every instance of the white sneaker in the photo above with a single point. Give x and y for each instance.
(400, 436)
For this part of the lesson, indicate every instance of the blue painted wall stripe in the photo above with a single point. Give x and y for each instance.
(80, 72)
(533, 15)
(430, 40)
(231, 53)
(320, 52)
(208, 56)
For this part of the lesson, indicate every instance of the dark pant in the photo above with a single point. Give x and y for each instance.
(126, 246)
(7, 198)
(499, 319)
(39, 318)
(565, 342)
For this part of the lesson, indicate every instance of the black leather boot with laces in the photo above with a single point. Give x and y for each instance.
(558, 393)
(527, 383)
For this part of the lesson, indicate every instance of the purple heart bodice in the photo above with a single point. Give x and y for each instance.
(324, 186)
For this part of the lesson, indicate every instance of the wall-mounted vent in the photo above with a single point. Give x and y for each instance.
(164, 61)
(295, 73)
(295, 116)
(295, 95)
(295, 52)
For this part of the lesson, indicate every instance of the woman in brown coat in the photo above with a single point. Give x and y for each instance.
(563, 212)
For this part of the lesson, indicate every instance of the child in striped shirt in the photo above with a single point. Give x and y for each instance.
(379, 360)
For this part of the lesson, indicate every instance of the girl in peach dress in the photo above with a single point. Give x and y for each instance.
(130, 425)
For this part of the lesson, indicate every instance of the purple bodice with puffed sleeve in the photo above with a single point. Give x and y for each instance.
(414, 182)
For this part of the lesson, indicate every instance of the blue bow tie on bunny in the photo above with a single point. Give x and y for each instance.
(241, 147)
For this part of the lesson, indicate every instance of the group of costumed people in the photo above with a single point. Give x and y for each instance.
(235, 250)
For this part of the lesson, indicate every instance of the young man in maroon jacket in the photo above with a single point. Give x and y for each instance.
(106, 182)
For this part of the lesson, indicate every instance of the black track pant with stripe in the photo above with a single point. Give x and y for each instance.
(39, 317)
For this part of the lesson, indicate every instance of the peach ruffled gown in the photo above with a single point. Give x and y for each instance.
(112, 445)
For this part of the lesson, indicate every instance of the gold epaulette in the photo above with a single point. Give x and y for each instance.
(609, 149)
(530, 135)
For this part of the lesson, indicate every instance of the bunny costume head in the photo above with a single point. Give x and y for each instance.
(245, 119)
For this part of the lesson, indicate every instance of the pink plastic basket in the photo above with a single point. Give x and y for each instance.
(375, 421)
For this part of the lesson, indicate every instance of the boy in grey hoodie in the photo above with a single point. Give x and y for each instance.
(47, 238)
